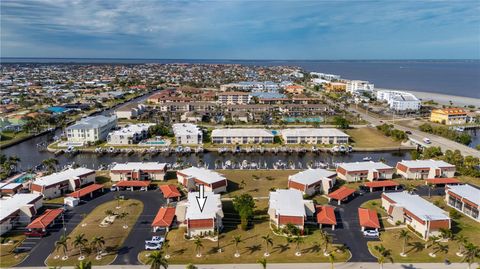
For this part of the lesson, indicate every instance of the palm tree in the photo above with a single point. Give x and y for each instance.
(461, 240)
(432, 240)
(84, 265)
(157, 261)
(50, 164)
(123, 216)
(109, 212)
(166, 246)
(298, 240)
(331, 259)
(198, 245)
(62, 243)
(405, 236)
(470, 253)
(268, 242)
(237, 240)
(118, 199)
(446, 233)
(79, 242)
(385, 254)
(327, 240)
(97, 243)
(440, 248)
(263, 262)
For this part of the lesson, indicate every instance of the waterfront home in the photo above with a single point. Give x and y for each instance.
(314, 136)
(370, 171)
(241, 136)
(359, 86)
(91, 129)
(417, 213)
(130, 111)
(138, 171)
(289, 207)
(200, 222)
(129, 134)
(464, 198)
(58, 184)
(192, 177)
(312, 181)
(449, 116)
(398, 100)
(18, 210)
(423, 169)
(187, 134)
(229, 98)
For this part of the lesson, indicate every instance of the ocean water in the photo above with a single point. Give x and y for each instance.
(454, 77)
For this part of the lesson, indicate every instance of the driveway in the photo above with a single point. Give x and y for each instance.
(152, 201)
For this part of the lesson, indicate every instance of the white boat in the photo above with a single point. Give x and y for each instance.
(367, 159)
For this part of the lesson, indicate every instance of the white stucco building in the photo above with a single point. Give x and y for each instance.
(314, 136)
(187, 134)
(398, 100)
(130, 134)
(91, 129)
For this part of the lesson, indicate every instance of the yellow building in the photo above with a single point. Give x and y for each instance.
(335, 87)
(294, 89)
(449, 116)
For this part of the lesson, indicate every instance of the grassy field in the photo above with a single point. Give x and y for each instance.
(257, 182)
(252, 247)
(463, 226)
(7, 257)
(114, 234)
(367, 137)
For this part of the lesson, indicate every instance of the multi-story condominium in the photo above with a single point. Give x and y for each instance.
(364, 171)
(398, 100)
(312, 181)
(335, 87)
(241, 136)
(231, 98)
(18, 210)
(449, 116)
(423, 169)
(251, 86)
(187, 134)
(289, 207)
(359, 86)
(138, 171)
(464, 198)
(192, 177)
(57, 184)
(328, 77)
(314, 136)
(130, 134)
(174, 107)
(91, 129)
(206, 221)
(130, 111)
(416, 212)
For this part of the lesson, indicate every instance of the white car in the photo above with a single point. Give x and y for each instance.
(371, 233)
(113, 188)
(143, 189)
(427, 140)
(155, 240)
(153, 246)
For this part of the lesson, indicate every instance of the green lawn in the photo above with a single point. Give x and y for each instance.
(367, 137)
(114, 234)
(182, 251)
(7, 257)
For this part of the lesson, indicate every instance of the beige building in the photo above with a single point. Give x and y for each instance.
(423, 169)
(138, 171)
(370, 171)
(241, 136)
(314, 136)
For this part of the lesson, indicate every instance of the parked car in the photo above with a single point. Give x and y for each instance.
(155, 240)
(408, 132)
(114, 188)
(143, 189)
(153, 246)
(427, 140)
(371, 233)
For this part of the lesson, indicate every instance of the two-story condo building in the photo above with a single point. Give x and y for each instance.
(18, 210)
(464, 198)
(289, 207)
(91, 129)
(57, 184)
(192, 177)
(130, 134)
(314, 136)
(312, 181)
(423, 169)
(449, 116)
(138, 171)
(364, 171)
(421, 215)
(230, 98)
(241, 136)
(187, 134)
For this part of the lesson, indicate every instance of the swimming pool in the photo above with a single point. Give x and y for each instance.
(161, 142)
(23, 178)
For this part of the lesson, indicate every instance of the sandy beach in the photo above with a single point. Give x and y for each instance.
(445, 99)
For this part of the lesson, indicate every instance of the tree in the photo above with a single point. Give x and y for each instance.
(431, 241)
(461, 241)
(156, 260)
(385, 254)
(84, 265)
(327, 240)
(405, 236)
(50, 164)
(341, 122)
(62, 243)
(470, 253)
(446, 234)
(244, 205)
(166, 246)
(97, 243)
(268, 242)
(298, 241)
(237, 240)
(331, 259)
(198, 246)
(263, 262)
(123, 216)
(80, 242)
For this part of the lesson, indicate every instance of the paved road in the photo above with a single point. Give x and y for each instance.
(134, 243)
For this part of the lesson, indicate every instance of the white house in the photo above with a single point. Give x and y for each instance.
(187, 134)
(18, 210)
(312, 181)
(241, 136)
(289, 207)
(138, 171)
(57, 184)
(129, 134)
(464, 198)
(91, 129)
(192, 177)
(314, 136)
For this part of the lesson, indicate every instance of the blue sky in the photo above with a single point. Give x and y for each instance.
(405, 29)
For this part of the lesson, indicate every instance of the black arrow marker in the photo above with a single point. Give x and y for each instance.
(201, 198)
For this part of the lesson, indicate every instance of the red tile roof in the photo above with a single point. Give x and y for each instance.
(164, 217)
(443, 181)
(45, 219)
(342, 193)
(368, 218)
(133, 183)
(170, 191)
(85, 191)
(326, 215)
(381, 184)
